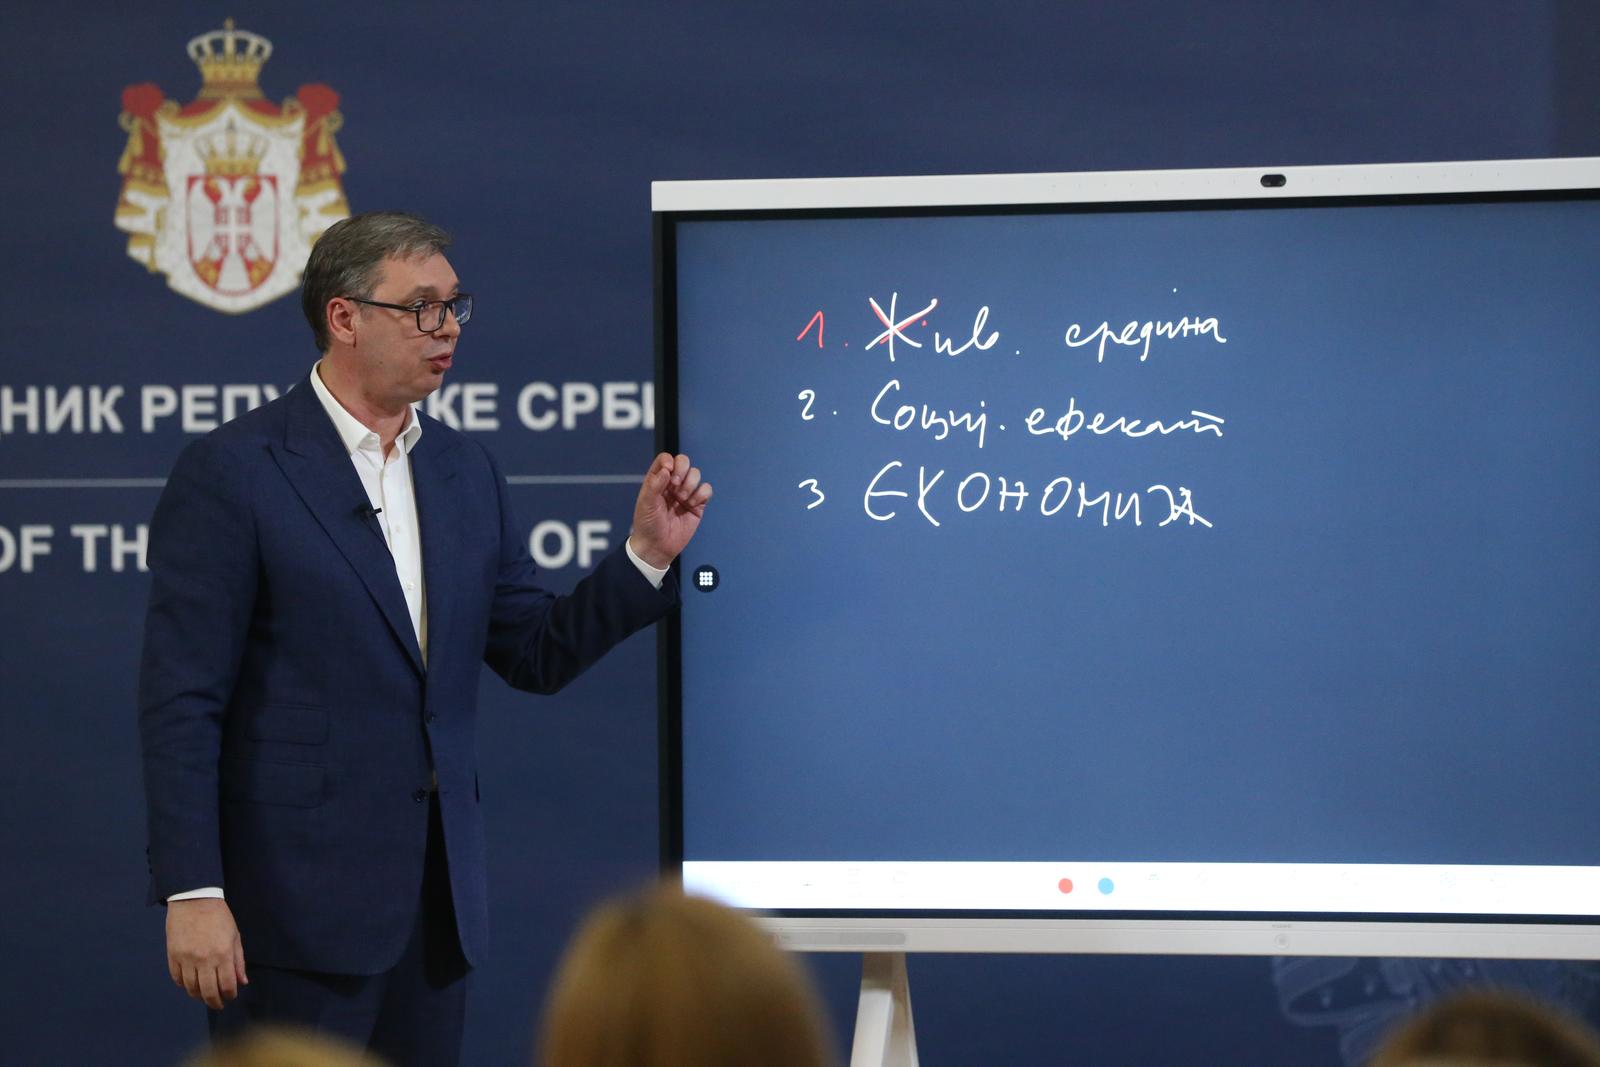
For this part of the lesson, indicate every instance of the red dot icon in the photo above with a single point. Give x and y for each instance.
(1065, 885)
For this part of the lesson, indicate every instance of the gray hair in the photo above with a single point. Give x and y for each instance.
(346, 259)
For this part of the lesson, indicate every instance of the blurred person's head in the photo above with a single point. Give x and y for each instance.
(276, 1046)
(668, 980)
(1487, 1029)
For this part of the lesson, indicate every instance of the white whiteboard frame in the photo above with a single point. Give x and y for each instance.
(1253, 937)
(1127, 186)
(1188, 937)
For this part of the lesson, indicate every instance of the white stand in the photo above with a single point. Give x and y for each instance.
(884, 1035)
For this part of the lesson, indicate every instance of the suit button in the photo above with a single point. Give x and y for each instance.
(420, 795)
(431, 718)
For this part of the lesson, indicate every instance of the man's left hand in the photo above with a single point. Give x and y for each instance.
(668, 510)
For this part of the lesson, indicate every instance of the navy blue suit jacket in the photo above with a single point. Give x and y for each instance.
(289, 725)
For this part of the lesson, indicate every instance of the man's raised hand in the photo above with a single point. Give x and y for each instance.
(667, 513)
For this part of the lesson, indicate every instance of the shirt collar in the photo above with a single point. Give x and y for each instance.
(352, 433)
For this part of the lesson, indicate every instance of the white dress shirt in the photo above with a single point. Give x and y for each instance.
(387, 480)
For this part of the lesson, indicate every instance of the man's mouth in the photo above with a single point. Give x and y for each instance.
(440, 362)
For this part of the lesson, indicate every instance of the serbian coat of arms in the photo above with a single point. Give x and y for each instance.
(225, 195)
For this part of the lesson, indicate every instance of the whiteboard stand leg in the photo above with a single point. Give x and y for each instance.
(884, 1035)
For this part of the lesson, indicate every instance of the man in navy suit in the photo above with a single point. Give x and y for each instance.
(328, 572)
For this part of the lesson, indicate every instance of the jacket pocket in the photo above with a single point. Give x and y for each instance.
(297, 785)
(297, 724)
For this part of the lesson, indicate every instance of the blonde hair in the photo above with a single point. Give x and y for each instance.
(276, 1046)
(668, 980)
(1476, 1029)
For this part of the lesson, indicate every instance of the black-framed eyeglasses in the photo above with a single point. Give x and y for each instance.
(429, 311)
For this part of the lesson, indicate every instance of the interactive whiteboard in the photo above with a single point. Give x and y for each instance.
(1201, 561)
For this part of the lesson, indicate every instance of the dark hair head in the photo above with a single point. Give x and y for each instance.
(347, 257)
(668, 980)
(273, 1045)
(1482, 1028)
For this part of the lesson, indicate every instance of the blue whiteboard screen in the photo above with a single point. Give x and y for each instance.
(1199, 535)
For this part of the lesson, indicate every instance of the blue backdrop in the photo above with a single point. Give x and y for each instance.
(532, 132)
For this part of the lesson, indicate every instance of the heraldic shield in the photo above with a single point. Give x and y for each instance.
(226, 195)
(233, 231)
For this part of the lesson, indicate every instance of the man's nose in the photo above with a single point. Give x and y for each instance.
(449, 327)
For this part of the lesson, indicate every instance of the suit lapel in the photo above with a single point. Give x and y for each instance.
(314, 460)
(432, 470)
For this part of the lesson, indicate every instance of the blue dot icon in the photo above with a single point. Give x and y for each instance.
(1107, 885)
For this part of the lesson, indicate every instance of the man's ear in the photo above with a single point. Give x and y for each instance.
(341, 315)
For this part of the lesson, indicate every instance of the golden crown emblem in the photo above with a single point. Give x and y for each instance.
(227, 155)
(230, 61)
